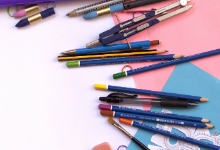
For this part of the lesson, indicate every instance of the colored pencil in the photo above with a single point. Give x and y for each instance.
(110, 55)
(122, 60)
(166, 64)
(169, 134)
(155, 119)
(152, 113)
(148, 92)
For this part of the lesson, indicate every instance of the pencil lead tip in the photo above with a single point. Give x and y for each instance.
(182, 56)
(67, 14)
(166, 51)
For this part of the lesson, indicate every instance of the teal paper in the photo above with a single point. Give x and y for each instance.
(189, 79)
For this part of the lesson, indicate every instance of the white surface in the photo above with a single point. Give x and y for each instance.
(43, 104)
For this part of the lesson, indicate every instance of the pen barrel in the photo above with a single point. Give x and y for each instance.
(174, 103)
(138, 3)
(140, 101)
(140, 144)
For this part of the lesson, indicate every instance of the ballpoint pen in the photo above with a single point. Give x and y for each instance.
(119, 7)
(122, 98)
(121, 31)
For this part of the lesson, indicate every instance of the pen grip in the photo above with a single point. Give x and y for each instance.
(138, 3)
(140, 144)
(174, 103)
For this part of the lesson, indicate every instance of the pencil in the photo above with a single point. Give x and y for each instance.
(152, 113)
(122, 60)
(169, 134)
(155, 119)
(110, 55)
(149, 92)
(166, 64)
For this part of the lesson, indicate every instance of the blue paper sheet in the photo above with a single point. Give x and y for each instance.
(189, 79)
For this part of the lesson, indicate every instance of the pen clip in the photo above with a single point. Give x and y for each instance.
(122, 95)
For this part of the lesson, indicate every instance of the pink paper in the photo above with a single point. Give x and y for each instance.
(194, 31)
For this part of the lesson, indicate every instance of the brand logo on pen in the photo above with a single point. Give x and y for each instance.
(107, 36)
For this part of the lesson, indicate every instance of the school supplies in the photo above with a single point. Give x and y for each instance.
(122, 60)
(119, 7)
(26, 11)
(121, 31)
(121, 98)
(155, 119)
(152, 113)
(169, 134)
(93, 7)
(166, 64)
(36, 17)
(141, 45)
(111, 121)
(111, 55)
(148, 92)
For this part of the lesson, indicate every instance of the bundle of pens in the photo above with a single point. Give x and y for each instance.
(167, 100)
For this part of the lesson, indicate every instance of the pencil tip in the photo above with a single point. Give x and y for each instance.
(209, 120)
(67, 14)
(166, 51)
(182, 56)
(159, 41)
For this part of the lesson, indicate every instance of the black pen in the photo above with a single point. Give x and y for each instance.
(121, 98)
(119, 7)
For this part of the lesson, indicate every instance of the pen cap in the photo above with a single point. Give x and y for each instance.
(119, 75)
(47, 13)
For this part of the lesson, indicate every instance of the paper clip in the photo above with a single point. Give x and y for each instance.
(121, 147)
(53, 6)
(126, 66)
(9, 11)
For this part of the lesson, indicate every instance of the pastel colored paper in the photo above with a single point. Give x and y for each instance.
(191, 32)
(190, 79)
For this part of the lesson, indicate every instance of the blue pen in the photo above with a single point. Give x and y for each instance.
(123, 46)
(169, 134)
(122, 30)
(122, 60)
(165, 64)
(151, 113)
(148, 92)
(155, 119)
(119, 7)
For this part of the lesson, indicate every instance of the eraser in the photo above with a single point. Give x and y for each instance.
(103, 146)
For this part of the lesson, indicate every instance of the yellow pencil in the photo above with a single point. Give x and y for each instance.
(111, 55)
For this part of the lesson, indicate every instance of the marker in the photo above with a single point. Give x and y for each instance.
(155, 119)
(36, 17)
(124, 46)
(148, 92)
(26, 11)
(166, 64)
(119, 7)
(169, 134)
(152, 113)
(122, 60)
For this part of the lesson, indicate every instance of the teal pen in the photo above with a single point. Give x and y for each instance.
(124, 46)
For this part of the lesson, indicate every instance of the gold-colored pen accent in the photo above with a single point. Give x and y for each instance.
(31, 9)
(103, 11)
(35, 18)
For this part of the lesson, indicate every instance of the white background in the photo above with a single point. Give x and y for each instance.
(43, 104)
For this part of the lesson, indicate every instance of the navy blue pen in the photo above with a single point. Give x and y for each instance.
(155, 119)
(152, 113)
(148, 92)
(122, 60)
(166, 64)
(37, 17)
(169, 134)
(113, 47)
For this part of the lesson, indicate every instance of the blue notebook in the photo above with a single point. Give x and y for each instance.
(188, 79)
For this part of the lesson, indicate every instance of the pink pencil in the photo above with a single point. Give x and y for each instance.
(26, 11)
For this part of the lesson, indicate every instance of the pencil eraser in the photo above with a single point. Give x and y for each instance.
(103, 146)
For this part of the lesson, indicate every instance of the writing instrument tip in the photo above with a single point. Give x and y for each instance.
(67, 14)
(182, 56)
(209, 120)
(159, 41)
(166, 51)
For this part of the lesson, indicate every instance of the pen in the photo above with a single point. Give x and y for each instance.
(149, 92)
(148, 101)
(111, 55)
(169, 134)
(152, 113)
(155, 119)
(119, 7)
(166, 64)
(122, 60)
(92, 7)
(123, 46)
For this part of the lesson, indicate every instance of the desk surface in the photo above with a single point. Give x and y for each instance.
(44, 105)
